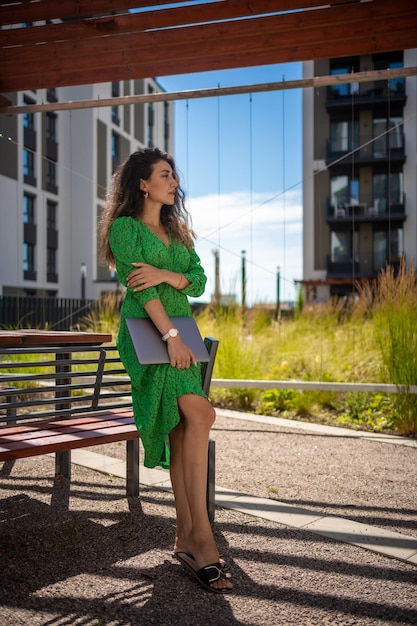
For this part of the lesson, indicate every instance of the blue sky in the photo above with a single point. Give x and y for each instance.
(240, 159)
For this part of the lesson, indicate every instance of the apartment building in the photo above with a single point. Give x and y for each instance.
(54, 171)
(360, 173)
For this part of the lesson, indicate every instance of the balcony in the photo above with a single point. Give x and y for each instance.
(373, 94)
(341, 268)
(367, 150)
(364, 266)
(365, 209)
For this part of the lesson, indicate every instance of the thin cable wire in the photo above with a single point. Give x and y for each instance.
(251, 193)
(187, 145)
(352, 143)
(284, 224)
(388, 188)
(218, 172)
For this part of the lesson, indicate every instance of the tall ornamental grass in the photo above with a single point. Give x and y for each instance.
(324, 343)
(395, 328)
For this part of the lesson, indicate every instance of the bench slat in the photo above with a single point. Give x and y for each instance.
(45, 431)
(42, 441)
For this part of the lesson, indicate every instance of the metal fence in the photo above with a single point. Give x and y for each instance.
(51, 313)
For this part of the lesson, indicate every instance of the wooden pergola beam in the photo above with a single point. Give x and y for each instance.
(315, 82)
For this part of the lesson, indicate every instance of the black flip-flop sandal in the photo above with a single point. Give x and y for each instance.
(207, 575)
(224, 565)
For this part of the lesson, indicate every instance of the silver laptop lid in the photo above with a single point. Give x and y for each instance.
(148, 344)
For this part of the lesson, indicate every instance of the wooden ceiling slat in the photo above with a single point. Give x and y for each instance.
(135, 22)
(25, 12)
(68, 9)
(358, 15)
(323, 49)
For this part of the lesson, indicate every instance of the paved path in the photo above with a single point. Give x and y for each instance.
(391, 544)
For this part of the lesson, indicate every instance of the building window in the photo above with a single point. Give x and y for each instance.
(383, 141)
(115, 150)
(344, 191)
(28, 209)
(394, 59)
(344, 136)
(115, 92)
(51, 124)
(51, 241)
(341, 66)
(28, 118)
(51, 95)
(151, 119)
(51, 267)
(29, 257)
(343, 246)
(51, 179)
(115, 115)
(388, 248)
(51, 210)
(28, 163)
(166, 127)
(387, 187)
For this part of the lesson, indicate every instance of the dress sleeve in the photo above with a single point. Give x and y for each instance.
(126, 245)
(196, 276)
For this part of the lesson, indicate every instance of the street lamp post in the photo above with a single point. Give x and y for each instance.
(83, 269)
(278, 304)
(243, 279)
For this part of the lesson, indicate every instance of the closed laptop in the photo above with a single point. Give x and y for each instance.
(148, 344)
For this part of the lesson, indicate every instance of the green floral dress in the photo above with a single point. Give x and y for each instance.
(155, 388)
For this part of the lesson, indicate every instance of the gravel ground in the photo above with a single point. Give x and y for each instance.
(82, 554)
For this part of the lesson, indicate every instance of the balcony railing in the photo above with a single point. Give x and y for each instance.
(367, 148)
(366, 208)
(366, 265)
(369, 93)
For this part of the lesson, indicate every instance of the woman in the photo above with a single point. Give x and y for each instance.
(146, 237)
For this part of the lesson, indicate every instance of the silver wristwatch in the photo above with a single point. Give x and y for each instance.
(173, 332)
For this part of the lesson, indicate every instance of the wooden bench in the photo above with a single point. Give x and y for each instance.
(63, 391)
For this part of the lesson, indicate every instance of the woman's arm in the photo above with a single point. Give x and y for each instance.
(145, 276)
(180, 354)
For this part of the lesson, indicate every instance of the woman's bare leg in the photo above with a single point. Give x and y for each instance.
(183, 517)
(189, 441)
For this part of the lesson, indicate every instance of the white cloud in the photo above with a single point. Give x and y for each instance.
(268, 228)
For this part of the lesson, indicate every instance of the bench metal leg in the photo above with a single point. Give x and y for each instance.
(211, 480)
(62, 459)
(132, 468)
(10, 412)
(63, 463)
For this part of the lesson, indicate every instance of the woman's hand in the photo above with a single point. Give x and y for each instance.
(144, 276)
(179, 353)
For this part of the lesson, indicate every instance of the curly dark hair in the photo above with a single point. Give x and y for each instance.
(125, 198)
